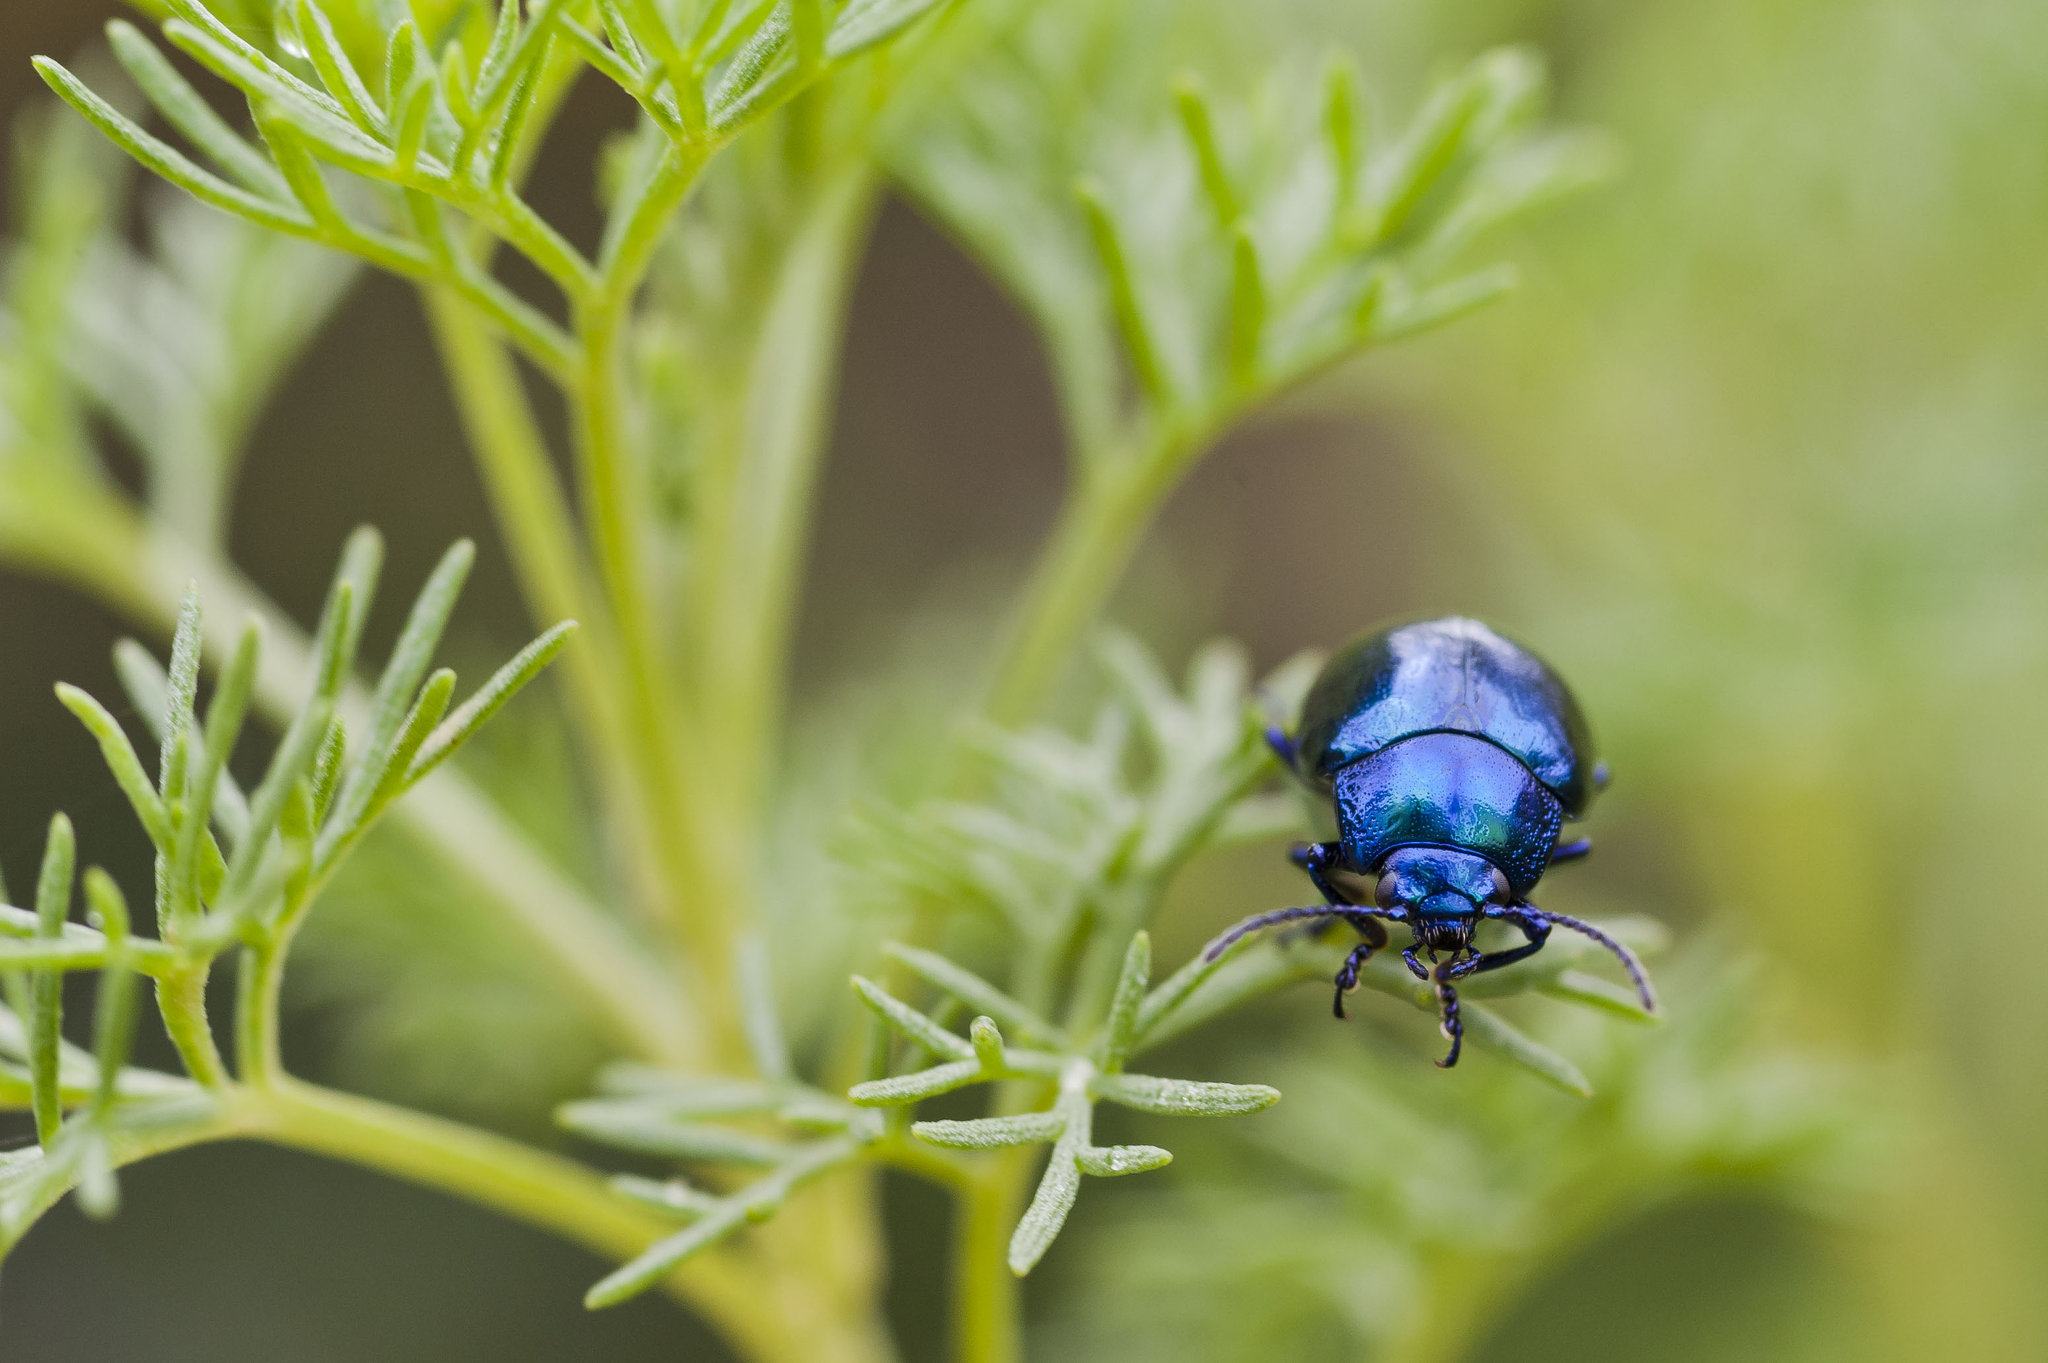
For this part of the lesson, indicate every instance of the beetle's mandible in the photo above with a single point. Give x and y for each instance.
(1454, 757)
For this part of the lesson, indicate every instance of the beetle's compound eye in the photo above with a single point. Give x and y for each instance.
(1500, 888)
(1387, 894)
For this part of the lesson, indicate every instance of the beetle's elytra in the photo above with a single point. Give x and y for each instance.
(1453, 757)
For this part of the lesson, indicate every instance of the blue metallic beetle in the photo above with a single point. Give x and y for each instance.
(1454, 757)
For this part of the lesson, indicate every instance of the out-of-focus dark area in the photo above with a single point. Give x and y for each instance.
(1756, 456)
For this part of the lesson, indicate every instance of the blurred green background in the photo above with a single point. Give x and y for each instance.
(1756, 456)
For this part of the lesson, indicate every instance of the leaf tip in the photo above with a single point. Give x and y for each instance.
(364, 539)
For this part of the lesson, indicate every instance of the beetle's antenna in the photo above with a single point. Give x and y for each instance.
(1350, 914)
(1636, 974)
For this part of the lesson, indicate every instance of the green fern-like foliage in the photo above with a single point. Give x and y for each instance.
(1193, 239)
(1066, 864)
(237, 871)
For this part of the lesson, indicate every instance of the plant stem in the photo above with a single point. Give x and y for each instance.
(541, 1189)
(988, 1321)
(58, 522)
(749, 536)
(754, 510)
(526, 1184)
(528, 503)
(258, 986)
(820, 1268)
(181, 998)
(547, 557)
(1105, 515)
(825, 1252)
(1118, 486)
(698, 917)
(613, 492)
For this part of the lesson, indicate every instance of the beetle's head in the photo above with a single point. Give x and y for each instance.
(1442, 890)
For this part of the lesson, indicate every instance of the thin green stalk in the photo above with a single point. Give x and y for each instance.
(695, 910)
(181, 998)
(547, 554)
(530, 1185)
(129, 1145)
(58, 522)
(754, 526)
(821, 1262)
(1115, 495)
(513, 458)
(515, 222)
(612, 491)
(258, 987)
(987, 1295)
(1105, 516)
(765, 1315)
(541, 1189)
(987, 1316)
(751, 533)
(614, 499)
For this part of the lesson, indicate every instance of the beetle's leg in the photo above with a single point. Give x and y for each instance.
(1453, 1025)
(1282, 746)
(1347, 977)
(1319, 859)
(1570, 851)
(1636, 974)
(1535, 929)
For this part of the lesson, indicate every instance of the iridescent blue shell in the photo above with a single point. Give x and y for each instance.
(1447, 676)
(1448, 790)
